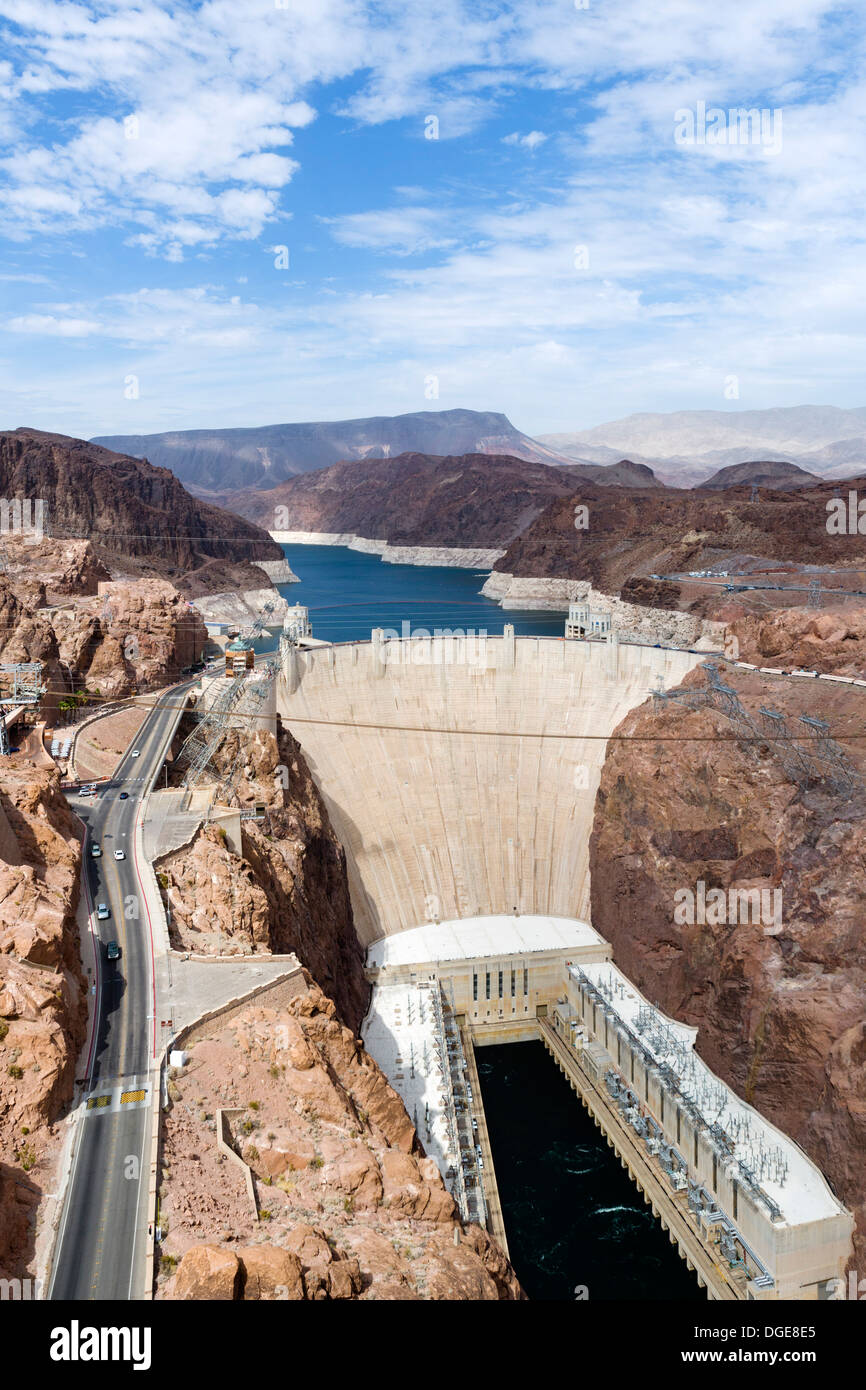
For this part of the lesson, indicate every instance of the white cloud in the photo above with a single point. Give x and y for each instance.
(530, 141)
(47, 326)
(402, 231)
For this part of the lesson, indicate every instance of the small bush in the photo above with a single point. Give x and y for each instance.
(4, 1028)
(254, 1105)
(317, 1162)
(27, 1157)
(15, 1072)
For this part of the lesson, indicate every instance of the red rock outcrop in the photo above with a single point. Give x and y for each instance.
(829, 639)
(780, 1014)
(351, 1208)
(131, 637)
(43, 993)
(286, 891)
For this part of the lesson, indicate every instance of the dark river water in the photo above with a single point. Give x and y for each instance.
(572, 1214)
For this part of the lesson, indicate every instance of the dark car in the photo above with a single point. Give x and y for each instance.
(124, 796)
(112, 951)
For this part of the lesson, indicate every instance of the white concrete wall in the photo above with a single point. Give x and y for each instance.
(465, 808)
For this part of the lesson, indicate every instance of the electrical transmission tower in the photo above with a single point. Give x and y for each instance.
(251, 707)
(819, 759)
(209, 732)
(20, 684)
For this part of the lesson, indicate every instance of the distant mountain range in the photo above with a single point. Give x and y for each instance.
(687, 446)
(219, 461)
(682, 449)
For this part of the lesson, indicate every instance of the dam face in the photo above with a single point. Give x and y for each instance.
(461, 776)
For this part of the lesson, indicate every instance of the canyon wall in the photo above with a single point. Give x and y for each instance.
(286, 890)
(780, 1011)
(43, 994)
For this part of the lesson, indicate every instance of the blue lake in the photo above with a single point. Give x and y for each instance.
(349, 593)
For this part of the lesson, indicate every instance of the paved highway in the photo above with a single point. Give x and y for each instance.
(103, 1227)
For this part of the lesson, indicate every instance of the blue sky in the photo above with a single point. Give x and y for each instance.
(155, 154)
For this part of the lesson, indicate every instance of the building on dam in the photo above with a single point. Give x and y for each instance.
(754, 1217)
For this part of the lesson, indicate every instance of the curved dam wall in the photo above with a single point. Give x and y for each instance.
(461, 776)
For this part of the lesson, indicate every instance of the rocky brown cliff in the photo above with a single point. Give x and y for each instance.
(667, 531)
(132, 637)
(413, 499)
(286, 891)
(781, 1017)
(43, 992)
(139, 519)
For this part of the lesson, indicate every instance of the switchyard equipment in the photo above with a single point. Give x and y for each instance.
(750, 1193)
(21, 685)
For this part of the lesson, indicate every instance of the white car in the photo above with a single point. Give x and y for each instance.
(95, 852)
(102, 912)
(135, 753)
(119, 854)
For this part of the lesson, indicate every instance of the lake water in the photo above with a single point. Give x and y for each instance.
(349, 593)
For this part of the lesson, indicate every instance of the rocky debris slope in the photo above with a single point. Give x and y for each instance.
(287, 890)
(139, 519)
(781, 1014)
(350, 1208)
(43, 993)
(830, 640)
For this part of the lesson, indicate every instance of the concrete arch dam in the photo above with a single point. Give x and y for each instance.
(461, 775)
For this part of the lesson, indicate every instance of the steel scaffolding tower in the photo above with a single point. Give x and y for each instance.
(250, 707)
